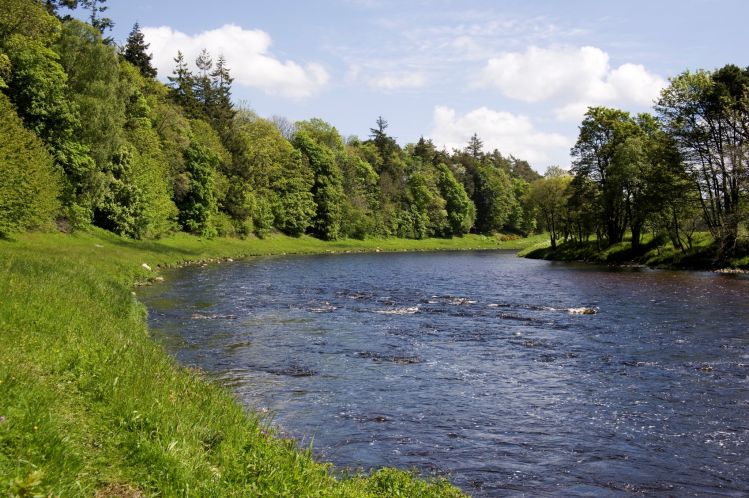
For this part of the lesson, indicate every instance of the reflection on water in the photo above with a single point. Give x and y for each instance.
(476, 366)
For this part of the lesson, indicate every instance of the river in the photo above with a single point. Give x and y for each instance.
(477, 366)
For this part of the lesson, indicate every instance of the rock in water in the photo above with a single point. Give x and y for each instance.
(582, 311)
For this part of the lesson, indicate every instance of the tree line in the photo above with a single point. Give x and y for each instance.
(672, 173)
(89, 136)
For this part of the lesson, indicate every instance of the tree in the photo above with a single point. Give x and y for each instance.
(474, 147)
(549, 195)
(53, 5)
(493, 198)
(327, 188)
(122, 208)
(202, 85)
(461, 211)
(707, 114)
(93, 70)
(428, 213)
(97, 7)
(594, 157)
(30, 185)
(198, 207)
(38, 87)
(219, 107)
(182, 84)
(135, 52)
(29, 19)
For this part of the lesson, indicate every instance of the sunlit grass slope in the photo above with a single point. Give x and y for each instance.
(90, 405)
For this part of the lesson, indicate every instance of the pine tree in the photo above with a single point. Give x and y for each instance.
(202, 87)
(475, 144)
(219, 107)
(182, 82)
(135, 52)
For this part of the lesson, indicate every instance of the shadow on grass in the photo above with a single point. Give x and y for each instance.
(652, 253)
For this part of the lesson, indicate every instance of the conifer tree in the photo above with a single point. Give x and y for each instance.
(135, 52)
(202, 85)
(219, 106)
(181, 83)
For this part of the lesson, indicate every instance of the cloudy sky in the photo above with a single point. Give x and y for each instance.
(518, 73)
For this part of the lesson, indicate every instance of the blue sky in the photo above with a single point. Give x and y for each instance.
(518, 73)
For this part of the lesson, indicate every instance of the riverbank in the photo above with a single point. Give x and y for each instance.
(90, 405)
(701, 256)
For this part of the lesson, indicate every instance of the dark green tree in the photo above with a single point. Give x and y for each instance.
(135, 52)
(198, 207)
(475, 146)
(219, 107)
(181, 84)
(122, 208)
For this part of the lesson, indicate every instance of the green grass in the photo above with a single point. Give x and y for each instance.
(90, 405)
(702, 255)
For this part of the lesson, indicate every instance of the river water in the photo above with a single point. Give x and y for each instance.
(475, 366)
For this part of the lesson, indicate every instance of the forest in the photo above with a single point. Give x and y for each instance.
(88, 135)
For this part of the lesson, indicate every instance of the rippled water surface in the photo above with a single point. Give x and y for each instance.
(471, 365)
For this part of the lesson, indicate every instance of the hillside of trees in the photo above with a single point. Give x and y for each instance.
(89, 136)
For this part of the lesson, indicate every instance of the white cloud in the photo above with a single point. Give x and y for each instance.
(395, 81)
(247, 54)
(509, 133)
(573, 77)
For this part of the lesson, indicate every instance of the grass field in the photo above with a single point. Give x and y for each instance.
(90, 405)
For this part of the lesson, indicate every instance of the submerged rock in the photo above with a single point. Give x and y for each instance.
(293, 371)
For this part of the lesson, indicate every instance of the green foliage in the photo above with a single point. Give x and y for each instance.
(494, 197)
(123, 207)
(197, 208)
(327, 189)
(38, 88)
(93, 71)
(135, 52)
(602, 132)
(428, 213)
(29, 183)
(27, 18)
(703, 112)
(322, 132)
(262, 216)
(461, 212)
(549, 195)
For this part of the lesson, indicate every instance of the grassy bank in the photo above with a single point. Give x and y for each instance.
(91, 406)
(701, 256)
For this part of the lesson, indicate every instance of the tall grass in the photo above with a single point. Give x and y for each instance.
(90, 405)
